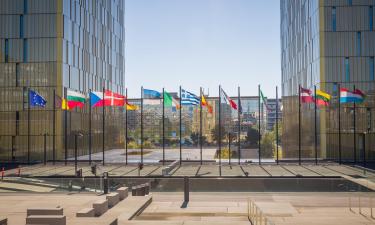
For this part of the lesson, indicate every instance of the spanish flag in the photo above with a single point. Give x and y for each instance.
(205, 104)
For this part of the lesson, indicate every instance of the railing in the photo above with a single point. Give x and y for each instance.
(255, 215)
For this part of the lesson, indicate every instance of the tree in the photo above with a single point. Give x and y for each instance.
(195, 138)
(215, 133)
(252, 137)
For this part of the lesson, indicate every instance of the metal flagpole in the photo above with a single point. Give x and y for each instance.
(54, 128)
(316, 131)
(354, 131)
(28, 126)
(259, 132)
(126, 127)
(163, 127)
(219, 138)
(103, 141)
(90, 134)
(299, 124)
(340, 160)
(239, 127)
(66, 126)
(200, 125)
(277, 126)
(180, 127)
(142, 125)
(229, 151)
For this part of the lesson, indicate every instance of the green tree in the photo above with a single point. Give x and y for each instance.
(215, 133)
(252, 137)
(194, 136)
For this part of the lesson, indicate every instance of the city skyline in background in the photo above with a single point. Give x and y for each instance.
(192, 43)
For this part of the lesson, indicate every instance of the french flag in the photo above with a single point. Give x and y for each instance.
(347, 96)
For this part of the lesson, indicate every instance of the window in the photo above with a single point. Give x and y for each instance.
(21, 26)
(24, 6)
(371, 18)
(17, 74)
(347, 69)
(350, 2)
(6, 50)
(25, 46)
(371, 63)
(333, 18)
(358, 43)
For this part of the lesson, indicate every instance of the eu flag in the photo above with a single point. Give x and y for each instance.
(35, 99)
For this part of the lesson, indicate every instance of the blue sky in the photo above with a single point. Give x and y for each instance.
(202, 43)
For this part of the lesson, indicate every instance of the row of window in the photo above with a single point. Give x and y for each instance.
(370, 18)
(347, 69)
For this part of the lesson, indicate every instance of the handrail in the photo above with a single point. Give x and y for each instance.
(255, 215)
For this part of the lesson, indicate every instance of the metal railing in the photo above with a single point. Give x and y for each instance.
(255, 215)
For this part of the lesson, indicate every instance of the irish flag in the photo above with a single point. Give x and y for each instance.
(170, 101)
(75, 99)
(347, 96)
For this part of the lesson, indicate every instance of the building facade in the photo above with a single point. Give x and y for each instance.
(50, 46)
(328, 45)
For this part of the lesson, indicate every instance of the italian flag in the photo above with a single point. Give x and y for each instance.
(170, 101)
(75, 99)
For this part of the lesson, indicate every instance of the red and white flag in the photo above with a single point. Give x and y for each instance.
(306, 96)
(225, 99)
(113, 99)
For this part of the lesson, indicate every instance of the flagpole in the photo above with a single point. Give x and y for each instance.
(66, 126)
(354, 130)
(54, 128)
(299, 124)
(103, 141)
(126, 127)
(163, 127)
(239, 126)
(219, 139)
(90, 134)
(339, 102)
(259, 134)
(200, 126)
(180, 127)
(316, 131)
(142, 125)
(28, 126)
(277, 126)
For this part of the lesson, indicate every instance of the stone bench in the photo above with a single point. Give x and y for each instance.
(45, 211)
(46, 219)
(141, 190)
(86, 212)
(123, 192)
(100, 207)
(3, 221)
(113, 199)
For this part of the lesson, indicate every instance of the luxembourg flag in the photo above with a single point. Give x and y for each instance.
(347, 96)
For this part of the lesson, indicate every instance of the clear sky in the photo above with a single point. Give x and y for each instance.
(202, 43)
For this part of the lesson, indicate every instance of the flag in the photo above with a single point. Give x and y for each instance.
(64, 104)
(110, 99)
(322, 98)
(346, 96)
(147, 93)
(263, 100)
(225, 99)
(36, 100)
(188, 98)
(75, 99)
(206, 104)
(131, 107)
(306, 96)
(170, 101)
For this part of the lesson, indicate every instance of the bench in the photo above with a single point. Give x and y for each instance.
(86, 212)
(100, 207)
(113, 199)
(45, 211)
(46, 219)
(123, 192)
(3, 221)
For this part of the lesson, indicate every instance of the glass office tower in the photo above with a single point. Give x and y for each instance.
(330, 45)
(50, 46)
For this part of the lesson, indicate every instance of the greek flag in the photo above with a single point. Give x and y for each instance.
(188, 98)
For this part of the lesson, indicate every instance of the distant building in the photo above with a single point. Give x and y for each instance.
(271, 113)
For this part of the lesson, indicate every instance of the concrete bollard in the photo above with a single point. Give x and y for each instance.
(186, 189)
(134, 191)
(148, 186)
